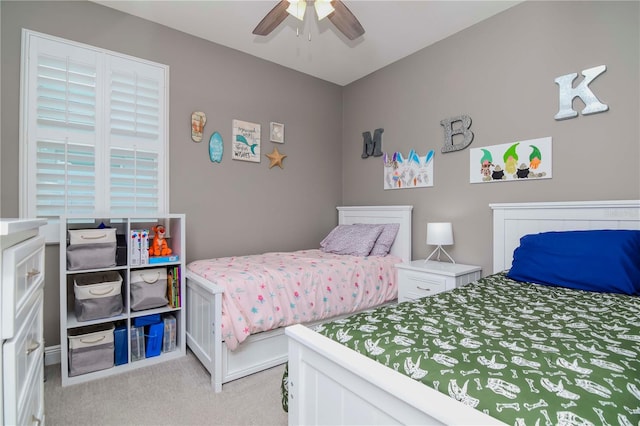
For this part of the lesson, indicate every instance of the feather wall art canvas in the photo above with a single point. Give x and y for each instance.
(411, 172)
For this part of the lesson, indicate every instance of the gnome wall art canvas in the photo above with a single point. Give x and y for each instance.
(516, 161)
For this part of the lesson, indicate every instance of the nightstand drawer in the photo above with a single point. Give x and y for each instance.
(416, 285)
(418, 278)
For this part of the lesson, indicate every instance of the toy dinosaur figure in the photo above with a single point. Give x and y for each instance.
(159, 246)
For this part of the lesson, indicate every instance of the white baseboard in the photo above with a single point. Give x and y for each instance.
(52, 355)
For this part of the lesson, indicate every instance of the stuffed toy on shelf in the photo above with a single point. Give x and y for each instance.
(159, 245)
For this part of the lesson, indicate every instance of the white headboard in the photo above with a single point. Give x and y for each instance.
(511, 221)
(383, 214)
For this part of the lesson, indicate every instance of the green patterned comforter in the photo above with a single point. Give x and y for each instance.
(522, 353)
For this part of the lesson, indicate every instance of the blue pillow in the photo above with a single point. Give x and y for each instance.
(599, 260)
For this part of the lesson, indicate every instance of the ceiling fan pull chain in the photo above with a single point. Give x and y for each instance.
(309, 35)
(297, 32)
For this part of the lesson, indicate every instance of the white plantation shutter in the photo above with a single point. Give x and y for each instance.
(93, 137)
(61, 99)
(136, 135)
(134, 182)
(135, 105)
(65, 179)
(66, 93)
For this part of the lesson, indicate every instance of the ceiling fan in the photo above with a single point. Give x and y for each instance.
(335, 10)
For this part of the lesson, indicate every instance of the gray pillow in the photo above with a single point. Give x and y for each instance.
(385, 240)
(355, 240)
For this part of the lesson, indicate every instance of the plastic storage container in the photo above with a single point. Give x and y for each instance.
(154, 339)
(97, 295)
(121, 345)
(137, 343)
(154, 330)
(90, 349)
(169, 336)
(146, 320)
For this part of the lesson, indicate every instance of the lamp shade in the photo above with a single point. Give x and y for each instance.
(296, 8)
(323, 8)
(439, 234)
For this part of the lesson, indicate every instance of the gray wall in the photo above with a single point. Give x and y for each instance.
(501, 73)
(233, 207)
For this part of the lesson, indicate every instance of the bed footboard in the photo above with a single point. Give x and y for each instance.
(331, 384)
(203, 325)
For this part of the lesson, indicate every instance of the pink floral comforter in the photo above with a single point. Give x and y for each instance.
(271, 290)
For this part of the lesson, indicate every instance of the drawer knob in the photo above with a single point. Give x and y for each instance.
(32, 273)
(33, 347)
(423, 288)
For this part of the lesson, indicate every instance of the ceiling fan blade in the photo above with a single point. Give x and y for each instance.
(272, 19)
(345, 21)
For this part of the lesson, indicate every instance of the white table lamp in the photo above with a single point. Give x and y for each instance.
(439, 234)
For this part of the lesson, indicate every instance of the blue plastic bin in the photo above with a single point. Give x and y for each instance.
(121, 344)
(146, 320)
(154, 339)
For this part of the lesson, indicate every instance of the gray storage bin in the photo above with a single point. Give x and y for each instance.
(90, 349)
(91, 249)
(148, 288)
(97, 295)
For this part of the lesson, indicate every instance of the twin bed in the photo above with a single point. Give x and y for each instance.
(496, 351)
(238, 306)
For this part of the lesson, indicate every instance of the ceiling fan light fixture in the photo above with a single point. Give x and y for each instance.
(323, 8)
(337, 12)
(297, 8)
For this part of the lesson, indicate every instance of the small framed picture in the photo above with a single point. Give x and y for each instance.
(277, 132)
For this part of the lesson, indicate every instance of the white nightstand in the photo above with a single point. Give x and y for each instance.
(419, 279)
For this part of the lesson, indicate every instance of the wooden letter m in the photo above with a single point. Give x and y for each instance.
(372, 147)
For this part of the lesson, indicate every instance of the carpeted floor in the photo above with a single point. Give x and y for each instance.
(176, 392)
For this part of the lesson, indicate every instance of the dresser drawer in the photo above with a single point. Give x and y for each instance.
(22, 275)
(416, 284)
(31, 412)
(22, 358)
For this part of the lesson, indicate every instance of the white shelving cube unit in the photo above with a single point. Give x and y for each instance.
(175, 236)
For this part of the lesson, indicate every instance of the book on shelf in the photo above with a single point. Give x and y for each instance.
(173, 287)
(170, 288)
(178, 281)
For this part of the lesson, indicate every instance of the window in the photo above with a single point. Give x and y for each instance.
(93, 132)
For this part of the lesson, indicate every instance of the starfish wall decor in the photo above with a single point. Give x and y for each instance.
(276, 158)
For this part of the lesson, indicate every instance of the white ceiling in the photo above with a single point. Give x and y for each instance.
(394, 30)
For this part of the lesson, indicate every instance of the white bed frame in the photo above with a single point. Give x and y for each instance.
(331, 384)
(266, 349)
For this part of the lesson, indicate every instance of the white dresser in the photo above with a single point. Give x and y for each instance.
(21, 313)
